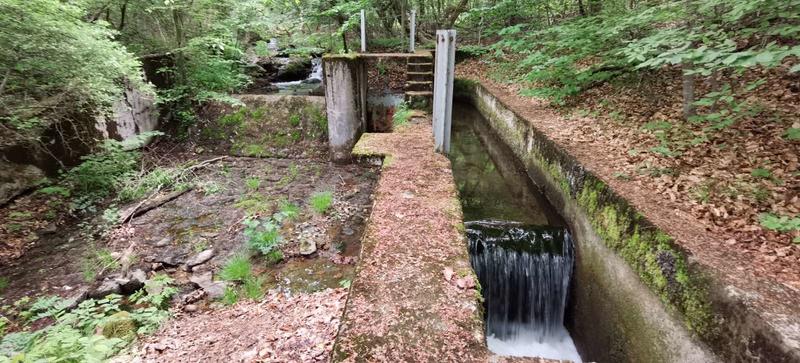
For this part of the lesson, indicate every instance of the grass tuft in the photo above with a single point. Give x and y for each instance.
(321, 201)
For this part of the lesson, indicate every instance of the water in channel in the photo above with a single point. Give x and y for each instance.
(519, 247)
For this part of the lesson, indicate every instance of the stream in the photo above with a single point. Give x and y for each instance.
(519, 246)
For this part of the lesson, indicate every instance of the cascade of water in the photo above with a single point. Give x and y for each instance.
(525, 273)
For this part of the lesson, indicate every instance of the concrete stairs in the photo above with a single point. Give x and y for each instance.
(419, 80)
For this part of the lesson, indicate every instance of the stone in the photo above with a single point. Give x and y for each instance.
(200, 258)
(16, 178)
(49, 229)
(172, 258)
(214, 289)
(164, 242)
(107, 287)
(307, 246)
(190, 308)
(133, 282)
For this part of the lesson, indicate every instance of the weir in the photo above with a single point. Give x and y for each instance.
(519, 248)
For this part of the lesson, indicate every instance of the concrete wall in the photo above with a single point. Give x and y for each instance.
(613, 316)
(638, 296)
(345, 79)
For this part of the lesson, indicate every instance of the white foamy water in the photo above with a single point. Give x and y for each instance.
(556, 345)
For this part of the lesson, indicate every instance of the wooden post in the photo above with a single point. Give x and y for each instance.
(363, 31)
(443, 89)
(413, 27)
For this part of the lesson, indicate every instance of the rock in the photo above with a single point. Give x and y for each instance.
(292, 69)
(190, 308)
(200, 258)
(119, 325)
(134, 281)
(348, 231)
(107, 287)
(16, 178)
(77, 297)
(214, 289)
(307, 246)
(164, 242)
(49, 229)
(172, 258)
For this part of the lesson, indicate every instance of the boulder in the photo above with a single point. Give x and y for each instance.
(133, 282)
(119, 325)
(16, 178)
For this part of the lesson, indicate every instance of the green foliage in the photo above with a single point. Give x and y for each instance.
(3, 283)
(55, 190)
(238, 268)
(230, 296)
(761, 173)
(783, 224)
(142, 185)
(73, 338)
(263, 235)
(321, 201)
(289, 210)
(401, 114)
(294, 120)
(792, 134)
(55, 64)
(101, 173)
(253, 288)
(253, 183)
(157, 291)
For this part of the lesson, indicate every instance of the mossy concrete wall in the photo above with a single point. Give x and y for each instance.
(345, 78)
(635, 296)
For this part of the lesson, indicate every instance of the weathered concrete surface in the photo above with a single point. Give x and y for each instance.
(345, 80)
(401, 308)
(639, 296)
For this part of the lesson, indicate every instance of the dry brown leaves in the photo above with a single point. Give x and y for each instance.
(298, 328)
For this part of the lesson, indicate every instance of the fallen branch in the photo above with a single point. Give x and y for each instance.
(147, 204)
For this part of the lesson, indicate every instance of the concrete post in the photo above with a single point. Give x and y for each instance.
(413, 27)
(345, 100)
(363, 32)
(443, 89)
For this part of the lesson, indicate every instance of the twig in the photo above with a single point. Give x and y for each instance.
(144, 207)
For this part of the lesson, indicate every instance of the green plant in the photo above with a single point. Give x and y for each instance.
(345, 283)
(96, 262)
(157, 291)
(290, 177)
(402, 114)
(55, 190)
(294, 120)
(253, 183)
(321, 201)
(3, 283)
(230, 296)
(238, 268)
(253, 288)
(141, 185)
(783, 224)
(289, 210)
(263, 236)
(792, 134)
(19, 216)
(761, 173)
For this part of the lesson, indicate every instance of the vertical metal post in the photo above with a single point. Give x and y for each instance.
(363, 31)
(443, 89)
(413, 27)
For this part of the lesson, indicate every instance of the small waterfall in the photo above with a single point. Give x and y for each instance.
(525, 274)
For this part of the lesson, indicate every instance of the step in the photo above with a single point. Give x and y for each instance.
(419, 93)
(419, 67)
(419, 86)
(419, 76)
(419, 100)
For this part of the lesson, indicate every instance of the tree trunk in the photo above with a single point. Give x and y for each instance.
(581, 10)
(688, 79)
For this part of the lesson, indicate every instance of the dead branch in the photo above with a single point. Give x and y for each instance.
(148, 204)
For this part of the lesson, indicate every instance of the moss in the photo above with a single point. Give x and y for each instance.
(119, 325)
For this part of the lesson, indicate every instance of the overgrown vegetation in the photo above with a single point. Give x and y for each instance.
(239, 271)
(402, 114)
(93, 331)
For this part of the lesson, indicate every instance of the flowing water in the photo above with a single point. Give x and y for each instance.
(306, 86)
(519, 247)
